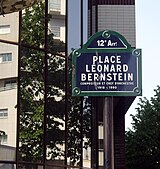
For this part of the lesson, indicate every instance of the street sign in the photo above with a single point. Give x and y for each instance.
(107, 65)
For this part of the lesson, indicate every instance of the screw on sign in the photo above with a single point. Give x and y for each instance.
(9, 6)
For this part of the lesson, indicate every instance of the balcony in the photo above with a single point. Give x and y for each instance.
(9, 87)
(55, 7)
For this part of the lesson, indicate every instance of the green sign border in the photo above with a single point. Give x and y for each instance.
(135, 53)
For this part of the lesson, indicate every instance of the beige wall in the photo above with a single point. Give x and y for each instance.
(8, 70)
(8, 124)
(12, 20)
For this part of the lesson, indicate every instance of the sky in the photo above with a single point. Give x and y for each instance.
(148, 39)
(75, 23)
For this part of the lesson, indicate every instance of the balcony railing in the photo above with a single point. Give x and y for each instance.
(9, 87)
(53, 6)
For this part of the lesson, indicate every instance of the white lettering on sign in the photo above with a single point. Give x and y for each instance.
(110, 43)
(102, 43)
(106, 77)
(108, 69)
(106, 59)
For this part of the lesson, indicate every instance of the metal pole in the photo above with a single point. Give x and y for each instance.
(81, 118)
(108, 132)
(19, 89)
(66, 85)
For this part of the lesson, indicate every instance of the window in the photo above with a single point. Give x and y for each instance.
(4, 29)
(5, 57)
(3, 113)
(55, 5)
(3, 138)
(10, 83)
(101, 144)
(55, 30)
(87, 154)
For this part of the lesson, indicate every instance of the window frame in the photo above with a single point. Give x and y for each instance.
(3, 139)
(55, 5)
(6, 57)
(5, 29)
(4, 113)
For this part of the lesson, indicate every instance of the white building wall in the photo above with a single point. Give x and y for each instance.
(12, 20)
(7, 153)
(100, 132)
(9, 70)
(63, 7)
(60, 24)
(57, 21)
(8, 124)
(62, 32)
(53, 8)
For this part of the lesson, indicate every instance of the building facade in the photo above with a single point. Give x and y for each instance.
(119, 16)
(9, 58)
(8, 78)
(41, 125)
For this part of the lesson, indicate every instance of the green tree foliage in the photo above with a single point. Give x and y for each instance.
(143, 140)
(33, 85)
(32, 101)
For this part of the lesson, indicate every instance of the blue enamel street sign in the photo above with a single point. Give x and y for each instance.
(106, 66)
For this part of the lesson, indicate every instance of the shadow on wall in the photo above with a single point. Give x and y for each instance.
(6, 166)
(8, 153)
